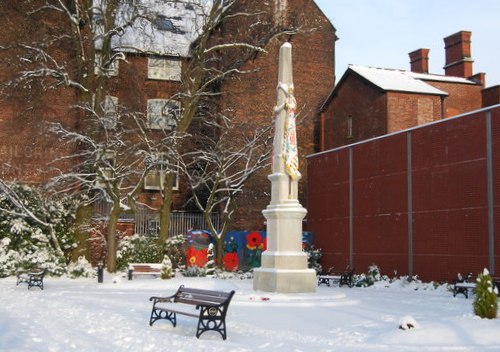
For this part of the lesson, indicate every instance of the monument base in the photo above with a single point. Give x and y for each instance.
(285, 280)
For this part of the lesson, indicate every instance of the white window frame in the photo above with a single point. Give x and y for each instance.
(164, 69)
(106, 164)
(156, 175)
(163, 113)
(110, 110)
(349, 126)
(113, 70)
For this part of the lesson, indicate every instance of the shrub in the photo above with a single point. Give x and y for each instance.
(26, 243)
(81, 268)
(138, 249)
(194, 271)
(166, 268)
(313, 258)
(176, 248)
(368, 279)
(486, 301)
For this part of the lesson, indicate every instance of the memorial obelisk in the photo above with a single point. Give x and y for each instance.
(284, 264)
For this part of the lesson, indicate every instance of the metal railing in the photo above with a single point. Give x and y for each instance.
(147, 220)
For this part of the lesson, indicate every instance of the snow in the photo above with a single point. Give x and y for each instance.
(83, 315)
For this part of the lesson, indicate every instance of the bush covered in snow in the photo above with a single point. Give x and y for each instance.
(138, 249)
(166, 268)
(313, 258)
(81, 268)
(373, 275)
(486, 301)
(146, 249)
(36, 230)
(194, 271)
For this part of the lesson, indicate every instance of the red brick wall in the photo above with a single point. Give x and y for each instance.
(27, 149)
(406, 110)
(491, 96)
(461, 98)
(367, 106)
(364, 216)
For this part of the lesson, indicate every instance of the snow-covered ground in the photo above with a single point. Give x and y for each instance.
(82, 315)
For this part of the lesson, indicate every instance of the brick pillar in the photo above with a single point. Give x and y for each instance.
(419, 61)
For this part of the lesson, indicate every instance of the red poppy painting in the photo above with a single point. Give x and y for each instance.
(230, 261)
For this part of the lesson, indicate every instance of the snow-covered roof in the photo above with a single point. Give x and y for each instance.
(396, 80)
(162, 27)
(407, 81)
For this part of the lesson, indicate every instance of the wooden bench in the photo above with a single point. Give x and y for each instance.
(463, 285)
(210, 307)
(32, 278)
(344, 278)
(143, 269)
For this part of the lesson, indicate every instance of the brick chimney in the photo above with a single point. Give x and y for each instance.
(419, 61)
(458, 55)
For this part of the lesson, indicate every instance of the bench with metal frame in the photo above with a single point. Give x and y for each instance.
(210, 307)
(343, 278)
(33, 278)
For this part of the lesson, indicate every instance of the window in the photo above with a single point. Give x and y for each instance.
(164, 69)
(349, 126)
(105, 164)
(111, 70)
(163, 113)
(156, 176)
(110, 110)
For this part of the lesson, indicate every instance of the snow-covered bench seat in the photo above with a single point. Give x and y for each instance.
(210, 307)
(32, 278)
(143, 269)
(463, 285)
(463, 288)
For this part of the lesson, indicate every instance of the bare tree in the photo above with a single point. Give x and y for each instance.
(217, 173)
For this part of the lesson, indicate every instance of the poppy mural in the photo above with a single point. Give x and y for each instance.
(197, 252)
(242, 249)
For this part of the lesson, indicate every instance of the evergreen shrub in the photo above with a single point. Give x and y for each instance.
(486, 300)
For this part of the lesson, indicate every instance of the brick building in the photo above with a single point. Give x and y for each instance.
(369, 102)
(152, 76)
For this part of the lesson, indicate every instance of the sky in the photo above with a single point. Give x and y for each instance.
(381, 33)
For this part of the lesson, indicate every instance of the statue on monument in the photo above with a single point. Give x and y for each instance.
(284, 264)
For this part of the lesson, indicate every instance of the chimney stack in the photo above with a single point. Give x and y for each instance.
(419, 61)
(458, 55)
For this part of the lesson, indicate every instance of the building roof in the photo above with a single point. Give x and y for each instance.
(160, 27)
(397, 80)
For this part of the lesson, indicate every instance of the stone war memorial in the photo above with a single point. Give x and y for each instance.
(284, 264)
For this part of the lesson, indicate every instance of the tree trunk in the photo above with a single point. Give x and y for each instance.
(166, 208)
(55, 241)
(83, 216)
(220, 251)
(112, 243)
